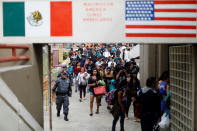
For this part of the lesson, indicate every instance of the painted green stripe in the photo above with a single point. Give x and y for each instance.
(13, 19)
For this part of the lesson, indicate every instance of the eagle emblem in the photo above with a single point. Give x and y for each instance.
(35, 18)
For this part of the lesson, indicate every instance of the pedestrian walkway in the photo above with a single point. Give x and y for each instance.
(79, 119)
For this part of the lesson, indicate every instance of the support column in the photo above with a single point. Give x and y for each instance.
(49, 84)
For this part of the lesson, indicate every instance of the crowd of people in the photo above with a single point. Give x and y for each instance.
(111, 67)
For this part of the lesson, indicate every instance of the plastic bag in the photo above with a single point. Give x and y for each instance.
(165, 121)
(101, 82)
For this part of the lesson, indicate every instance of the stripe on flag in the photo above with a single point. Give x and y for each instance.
(161, 18)
(61, 18)
(40, 27)
(13, 19)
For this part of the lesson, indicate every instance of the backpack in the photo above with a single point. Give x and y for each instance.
(110, 97)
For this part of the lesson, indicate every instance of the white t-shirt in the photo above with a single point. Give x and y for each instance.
(109, 63)
(81, 79)
(106, 54)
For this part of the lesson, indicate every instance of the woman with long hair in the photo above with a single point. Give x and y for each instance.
(135, 87)
(108, 77)
(82, 82)
(118, 109)
(92, 83)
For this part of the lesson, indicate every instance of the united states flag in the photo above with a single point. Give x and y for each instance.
(161, 18)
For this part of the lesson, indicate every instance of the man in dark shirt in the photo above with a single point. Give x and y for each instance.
(90, 66)
(151, 105)
(94, 58)
(82, 61)
(63, 91)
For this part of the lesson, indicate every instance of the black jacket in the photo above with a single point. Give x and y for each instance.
(151, 103)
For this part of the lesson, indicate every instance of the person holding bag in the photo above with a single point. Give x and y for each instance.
(82, 82)
(93, 83)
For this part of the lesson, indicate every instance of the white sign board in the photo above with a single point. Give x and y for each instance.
(105, 21)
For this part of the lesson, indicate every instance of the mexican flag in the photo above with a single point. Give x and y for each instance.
(35, 19)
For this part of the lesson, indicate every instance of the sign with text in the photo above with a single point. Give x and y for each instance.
(98, 21)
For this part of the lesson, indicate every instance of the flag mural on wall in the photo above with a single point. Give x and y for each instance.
(37, 19)
(160, 18)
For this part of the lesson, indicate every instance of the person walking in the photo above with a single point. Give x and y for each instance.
(135, 87)
(106, 54)
(151, 105)
(108, 77)
(82, 82)
(90, 66)
(118, 52)
(92, 83)
(63, 91)
(70, 69)
(110, 82)
(77, 69)
(99, 62)
(118, 109)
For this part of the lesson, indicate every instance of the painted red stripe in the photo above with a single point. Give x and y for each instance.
(175, 18)
(160, 27)
(61, 18)
(176, 10)
(176, 2)
(158, 35)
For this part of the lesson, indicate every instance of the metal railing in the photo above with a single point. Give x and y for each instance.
(14, 57)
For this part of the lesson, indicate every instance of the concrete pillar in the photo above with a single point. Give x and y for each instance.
(147, 62)
(163, 57)
(153, 61)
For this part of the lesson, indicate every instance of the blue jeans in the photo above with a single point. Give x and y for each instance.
(87, 88)
(122, 116)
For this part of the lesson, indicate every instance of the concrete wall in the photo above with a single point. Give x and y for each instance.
(26, 83)
(14, 116)
(153, 61)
